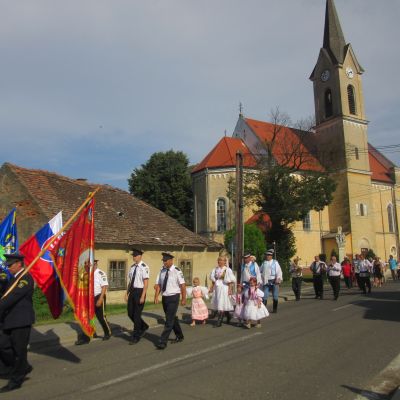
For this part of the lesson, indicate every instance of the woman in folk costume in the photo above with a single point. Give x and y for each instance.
(222, 279)
(199, 308)
(238, 313)
(254, 308)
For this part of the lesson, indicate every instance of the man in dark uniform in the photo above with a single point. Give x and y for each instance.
(171, 283)
(16, 317)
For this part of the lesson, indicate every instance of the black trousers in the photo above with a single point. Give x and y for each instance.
(101, 316)
(14, 352)
(318, 286)
(335, 283)
(358, 280)
(296, 286)
(170, 307)
(135, 312)
(365, 283)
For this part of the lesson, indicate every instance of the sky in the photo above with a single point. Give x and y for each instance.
(92, 88)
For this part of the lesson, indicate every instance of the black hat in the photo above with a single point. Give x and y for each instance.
(12, 258)
(269, 252)
(136, 252)
(247, 254)
(166, 256)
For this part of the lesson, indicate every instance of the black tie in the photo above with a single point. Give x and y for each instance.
(131, 286)
(164, 285)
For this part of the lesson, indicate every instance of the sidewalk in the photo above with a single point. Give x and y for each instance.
(65, 333)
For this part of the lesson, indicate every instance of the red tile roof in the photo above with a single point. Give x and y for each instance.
(120, 218)
(288, 149)
(223, 155)
(262, 220)
(380, 166)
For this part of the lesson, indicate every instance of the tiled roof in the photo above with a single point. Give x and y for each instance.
(262, 220)
(289, 148)
(120, 218)
(380, 166)
(223, 155)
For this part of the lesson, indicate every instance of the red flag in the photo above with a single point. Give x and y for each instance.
(73, 257)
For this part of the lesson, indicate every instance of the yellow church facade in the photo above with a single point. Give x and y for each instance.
(364, 213)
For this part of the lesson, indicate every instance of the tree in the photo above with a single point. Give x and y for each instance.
(286, 185)
(164, 182)
(254, 240)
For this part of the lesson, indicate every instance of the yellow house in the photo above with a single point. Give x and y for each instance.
(365, 206)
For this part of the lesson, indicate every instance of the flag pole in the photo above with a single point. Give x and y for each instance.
(45, 248)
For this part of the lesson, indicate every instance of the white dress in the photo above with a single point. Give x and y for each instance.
(222, 277)
(254, 308)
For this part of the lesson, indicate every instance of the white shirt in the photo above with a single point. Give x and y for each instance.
(142, 273)
(317, 267)
(100, 280)
(174, 282)
(271, 270)
(334, 269)
(365, 266)
(222, 276)
(246, 275)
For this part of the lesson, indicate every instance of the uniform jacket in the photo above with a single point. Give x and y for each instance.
(16, 309)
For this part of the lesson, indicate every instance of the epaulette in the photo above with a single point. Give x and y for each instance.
(143, 264)
(101, 272)
(3, 276)
(177, 269)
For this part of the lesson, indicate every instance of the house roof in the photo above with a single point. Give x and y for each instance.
(120, 218)
(223, 155)
(289, 148)
(380, 166)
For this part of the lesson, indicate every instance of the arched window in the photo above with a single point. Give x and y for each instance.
(221, 215)
(352, 99)
(307, 222)
(356, 153)
(328, 103)
(390, 217)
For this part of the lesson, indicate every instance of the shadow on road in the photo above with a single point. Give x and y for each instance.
(382, 306)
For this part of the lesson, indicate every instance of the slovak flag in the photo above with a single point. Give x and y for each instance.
(43, 271)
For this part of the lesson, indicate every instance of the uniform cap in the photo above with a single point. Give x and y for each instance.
(12, 258)
(166, 256)
(136, 252)
(247, 254)
(269, 252)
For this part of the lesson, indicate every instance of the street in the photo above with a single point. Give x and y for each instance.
(312, 349)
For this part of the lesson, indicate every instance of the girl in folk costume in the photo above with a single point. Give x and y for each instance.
(238, 313)
(199, 308)
(222, 279)
(254, 308)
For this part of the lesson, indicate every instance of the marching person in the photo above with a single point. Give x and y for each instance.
(271, 274)
(318, 268)
(334, 270)
(16, 317)
(296, 271)
(365, 267)
(138, 282)
(99, 290)
(171, 284)
(249, 268)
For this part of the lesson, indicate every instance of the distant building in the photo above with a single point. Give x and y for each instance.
(121, 222)
(366, 200)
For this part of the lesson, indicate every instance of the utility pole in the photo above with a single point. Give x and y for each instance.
(239, 214)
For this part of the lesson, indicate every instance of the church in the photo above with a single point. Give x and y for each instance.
(364, 213)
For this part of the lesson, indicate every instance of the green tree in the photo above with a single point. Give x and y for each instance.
(164, 182)
(254, 240)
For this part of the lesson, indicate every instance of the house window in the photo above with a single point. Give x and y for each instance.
(117, 275)
(328, 103)
(307, 222)
(352, 99)
(221, 215)
(361, 209)
(186, 267)
(390, 217)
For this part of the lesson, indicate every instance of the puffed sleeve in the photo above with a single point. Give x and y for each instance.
(189, 291)
(204, 291)
(229, 276)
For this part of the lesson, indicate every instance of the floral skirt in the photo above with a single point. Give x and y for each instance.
(199, 309)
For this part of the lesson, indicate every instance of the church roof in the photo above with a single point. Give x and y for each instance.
(380, 166)
(289, 148)
(120, 218)
(223, 155)
(334, 41)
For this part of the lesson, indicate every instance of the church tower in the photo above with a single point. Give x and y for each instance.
(341, 132)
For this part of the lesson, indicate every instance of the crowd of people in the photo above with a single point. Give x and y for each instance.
(245, 299)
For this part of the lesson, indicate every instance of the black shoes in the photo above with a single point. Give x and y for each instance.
(106, 337)
(10, 386)
(134, 340)
(178, 339)
(143, 332)
(161, 345)
(80, 342)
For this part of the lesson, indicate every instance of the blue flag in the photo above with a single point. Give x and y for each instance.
(8, 237)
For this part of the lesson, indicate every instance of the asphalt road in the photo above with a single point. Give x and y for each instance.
(312, 349)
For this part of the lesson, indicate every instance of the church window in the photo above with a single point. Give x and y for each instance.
(221, 215)
(307, 222)
(328, 103)
(352, 99)
(356, 153)
(390, 217)
(363, 209)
